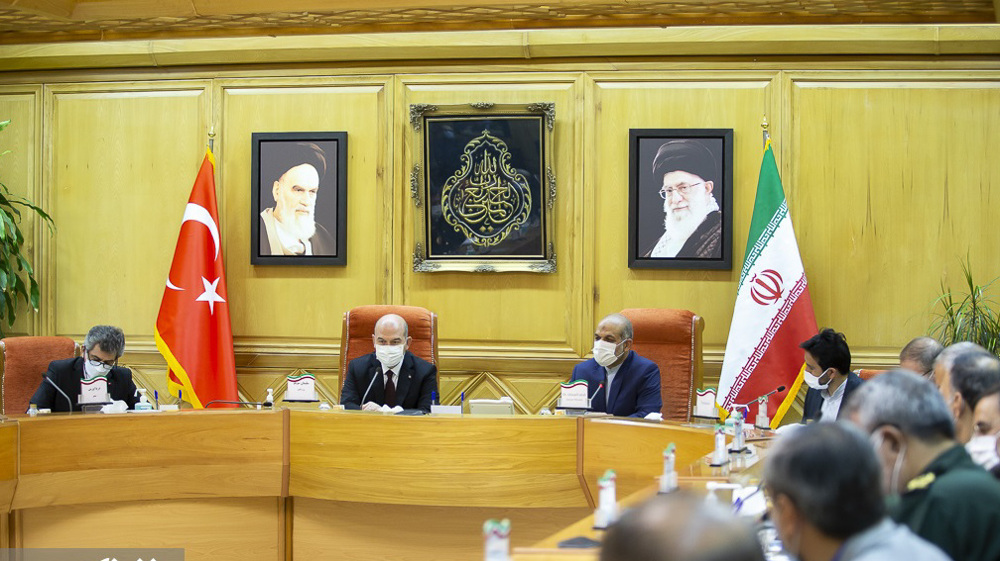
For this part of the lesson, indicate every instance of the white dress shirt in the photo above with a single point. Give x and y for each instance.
(831, 402)
(611, 377)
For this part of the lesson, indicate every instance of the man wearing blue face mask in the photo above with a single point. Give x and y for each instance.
(102, 348)
(828, 375)
(391, 375)
(619, 381)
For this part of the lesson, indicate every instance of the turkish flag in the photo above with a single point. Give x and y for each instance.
(193, 332)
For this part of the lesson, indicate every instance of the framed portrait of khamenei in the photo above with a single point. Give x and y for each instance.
(483, 188)
(680, 213)
(298, 209)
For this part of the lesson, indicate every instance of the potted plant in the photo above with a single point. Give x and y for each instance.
(967, 315)
(17, 277)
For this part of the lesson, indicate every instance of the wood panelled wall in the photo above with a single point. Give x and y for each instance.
(889, 167)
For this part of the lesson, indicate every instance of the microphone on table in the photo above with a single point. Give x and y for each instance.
(378, 372)
(259, 404)
(591, 398)
(768, 394)
(58, 389)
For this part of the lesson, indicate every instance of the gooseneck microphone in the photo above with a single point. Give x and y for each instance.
(768, 394)
(378, 372)
(58, 389)
(259, 404)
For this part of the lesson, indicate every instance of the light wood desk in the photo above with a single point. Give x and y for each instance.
(308, 484)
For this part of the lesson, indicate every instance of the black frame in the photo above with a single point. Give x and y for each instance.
(518, 140)
(331, 213)
(645, 209)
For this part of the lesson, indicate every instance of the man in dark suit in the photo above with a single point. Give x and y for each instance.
(391, 375)
(102, 348)
(828, 375)
(620, 381)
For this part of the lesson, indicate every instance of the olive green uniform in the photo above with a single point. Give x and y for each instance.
(954, 504)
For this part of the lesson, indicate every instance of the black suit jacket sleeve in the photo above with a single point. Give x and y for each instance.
(350, 396)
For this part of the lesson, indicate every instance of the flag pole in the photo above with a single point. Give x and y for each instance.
(211, 139)
(763, 126)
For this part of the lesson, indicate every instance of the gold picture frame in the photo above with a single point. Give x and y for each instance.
(483, 187)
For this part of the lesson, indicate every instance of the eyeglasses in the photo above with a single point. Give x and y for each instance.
(98, 363)
(683, 189)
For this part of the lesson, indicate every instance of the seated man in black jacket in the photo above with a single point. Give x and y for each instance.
(102, 348)
(828, 375)
(391, 375)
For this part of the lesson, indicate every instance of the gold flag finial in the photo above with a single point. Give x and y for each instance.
(763, 123)
(211, 139)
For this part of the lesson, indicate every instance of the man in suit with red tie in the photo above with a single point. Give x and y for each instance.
(619, 381)
(391, 375)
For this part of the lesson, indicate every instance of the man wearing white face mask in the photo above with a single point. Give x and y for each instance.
(985, 444)
(391, 375)
(102, 348)
(937, 490)
(828, 375)
(619, 381)
(827, 501)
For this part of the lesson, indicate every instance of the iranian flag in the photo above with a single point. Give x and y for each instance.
(773, 312)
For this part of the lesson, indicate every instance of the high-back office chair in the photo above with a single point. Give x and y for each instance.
(868, 374)
(671, 339)
(359, 325)
(23, 360)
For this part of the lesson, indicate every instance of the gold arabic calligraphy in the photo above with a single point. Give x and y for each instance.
(487, 198)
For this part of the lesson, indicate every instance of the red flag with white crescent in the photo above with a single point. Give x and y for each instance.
(193, 331)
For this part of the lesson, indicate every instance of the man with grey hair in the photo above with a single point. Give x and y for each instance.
(943, 496)
(619, 381)
(961, 383)
(827, 501)
(102, 348)
(679, 527)
(919, 355)
(392, 375)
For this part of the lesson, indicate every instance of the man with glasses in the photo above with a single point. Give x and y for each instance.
(935, 487)
(102, 348)
(692, 223)
(919, 355)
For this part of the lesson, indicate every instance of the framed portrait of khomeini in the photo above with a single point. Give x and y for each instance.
(680, 213)
(298, 213)
(483, 188)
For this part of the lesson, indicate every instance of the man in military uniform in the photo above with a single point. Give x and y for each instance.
(935, 487)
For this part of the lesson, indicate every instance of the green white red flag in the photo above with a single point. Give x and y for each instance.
(773, 311)
(193, 331)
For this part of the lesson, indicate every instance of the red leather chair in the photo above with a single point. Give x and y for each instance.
(671, 339)
(867, 374)
(24, 360)
(359, 325)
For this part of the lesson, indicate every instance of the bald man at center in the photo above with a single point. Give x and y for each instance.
(391, 375)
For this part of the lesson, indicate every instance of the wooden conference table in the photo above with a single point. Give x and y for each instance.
(281, 485)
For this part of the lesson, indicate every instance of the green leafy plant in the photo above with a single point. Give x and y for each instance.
(17, 277)
(967, 316)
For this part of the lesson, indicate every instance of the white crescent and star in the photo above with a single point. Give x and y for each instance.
(198, 213)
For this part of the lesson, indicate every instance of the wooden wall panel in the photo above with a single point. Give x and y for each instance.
(892, 181)
(717, 100)
(20, 171)
(888, 172)
(123, 157)
(302, 304)
(538, 311)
